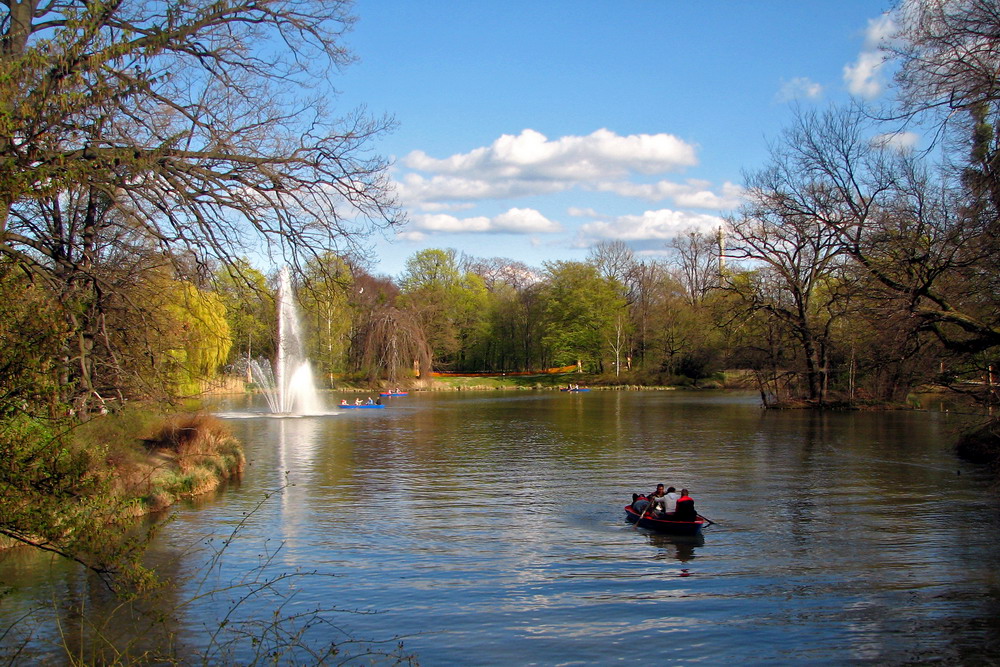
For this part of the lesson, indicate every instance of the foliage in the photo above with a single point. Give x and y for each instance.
(32, 335)
(58, 497)
(250, 310)
(449, 303)
(582, 310)
(327, 314)
(204, 340)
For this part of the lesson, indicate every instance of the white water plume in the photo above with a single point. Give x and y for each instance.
(287, 384)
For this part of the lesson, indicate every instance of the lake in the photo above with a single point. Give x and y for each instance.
(487, 528)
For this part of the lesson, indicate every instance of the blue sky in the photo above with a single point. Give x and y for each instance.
(532, 130)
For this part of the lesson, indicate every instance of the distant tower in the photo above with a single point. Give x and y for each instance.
(720, 238)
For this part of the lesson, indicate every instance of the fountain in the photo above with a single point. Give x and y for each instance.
(288, 384)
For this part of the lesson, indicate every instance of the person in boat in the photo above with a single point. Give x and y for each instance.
(378, 401)
(343, 401)
(685, 508)
(668, 504)
(640, 503)
(370, 401)
(357, 401)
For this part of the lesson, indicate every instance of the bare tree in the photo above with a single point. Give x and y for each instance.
(793, 261)
(206, 127)
(909, 230)
(698, 256)
(207, 120)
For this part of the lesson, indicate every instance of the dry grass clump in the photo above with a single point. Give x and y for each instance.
(152, 460)
(192, 454)
(199, 441)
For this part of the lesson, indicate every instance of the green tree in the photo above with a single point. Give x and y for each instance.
(203, 340)
(250, 310)
(581, 313)
(326, 313)
(449, 303)
(511, 339)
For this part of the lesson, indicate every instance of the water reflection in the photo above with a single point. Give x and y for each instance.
(675, 547)
(486, 528)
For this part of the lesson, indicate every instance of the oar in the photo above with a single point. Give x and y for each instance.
(705, 518)
(643, 513)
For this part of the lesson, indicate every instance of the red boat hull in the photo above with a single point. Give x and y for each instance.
(664, 525)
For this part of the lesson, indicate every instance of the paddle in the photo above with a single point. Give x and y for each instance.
(644, 510)
(710, 522)
(650, 506)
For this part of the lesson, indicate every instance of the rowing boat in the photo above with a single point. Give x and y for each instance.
(367, 405)
(661, 525)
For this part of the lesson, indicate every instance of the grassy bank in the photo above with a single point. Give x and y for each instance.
(75, 488)
(625, 381)
(153, 459)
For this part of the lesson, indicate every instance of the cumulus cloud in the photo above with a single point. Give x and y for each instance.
(514, 221)
(531, 164)
(657, 225)
(865, 77)
(428, 193)
(532, 155)
(691, 194)
(899, 141)
(799, 88)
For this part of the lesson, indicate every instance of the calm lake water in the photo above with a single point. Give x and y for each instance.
(488, 529)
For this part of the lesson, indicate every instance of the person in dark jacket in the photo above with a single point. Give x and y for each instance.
(685, 508)
(641, 503)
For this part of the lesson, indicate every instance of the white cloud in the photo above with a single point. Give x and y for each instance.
(799, 88)
(530, 163)
(881, 31)
(532, 155)
(692, 194)
(435, 207)
(662, 224)
(899, 141)
(429, 193)
(865, 77)
(410, 235)
(524, 221)
(514, 221)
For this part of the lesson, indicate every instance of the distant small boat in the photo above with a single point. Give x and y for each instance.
(579, 389)
(394, 393)
(665, 525)
(374, 406)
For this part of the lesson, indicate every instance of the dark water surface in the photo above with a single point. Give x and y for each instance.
(487, 528)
